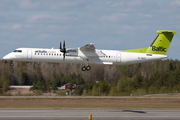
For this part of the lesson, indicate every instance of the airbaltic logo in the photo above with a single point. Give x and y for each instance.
(162, 49)
(40, 51)
(44, 51)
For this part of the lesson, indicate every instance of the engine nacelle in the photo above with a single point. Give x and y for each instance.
(72, 52)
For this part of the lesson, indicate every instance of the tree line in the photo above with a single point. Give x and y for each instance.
(161, 76)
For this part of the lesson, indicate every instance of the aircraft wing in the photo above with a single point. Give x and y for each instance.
(90, 51)
(89, 47)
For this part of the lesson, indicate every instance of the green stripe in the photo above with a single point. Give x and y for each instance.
(140, 50)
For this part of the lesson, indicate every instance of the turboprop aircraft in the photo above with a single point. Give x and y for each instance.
(89, 55)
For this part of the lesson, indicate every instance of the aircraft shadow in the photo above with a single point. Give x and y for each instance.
(134, 111)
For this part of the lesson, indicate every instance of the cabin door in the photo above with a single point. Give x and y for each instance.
(29, 54)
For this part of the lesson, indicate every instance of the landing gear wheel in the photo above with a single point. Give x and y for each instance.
(88, 68)
(83, 68)
(11, 64)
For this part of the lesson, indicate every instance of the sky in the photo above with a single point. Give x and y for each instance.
(109, 24)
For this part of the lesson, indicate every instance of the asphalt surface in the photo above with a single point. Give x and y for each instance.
(84, 114)
(83, 97)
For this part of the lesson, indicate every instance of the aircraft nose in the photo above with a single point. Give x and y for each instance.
(7, 57)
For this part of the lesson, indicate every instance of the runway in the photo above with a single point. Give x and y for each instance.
(84, 114)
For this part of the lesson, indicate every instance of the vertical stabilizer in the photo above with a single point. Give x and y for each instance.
(161, 43)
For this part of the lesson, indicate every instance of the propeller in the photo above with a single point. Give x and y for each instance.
(63, 50)
(60, 47)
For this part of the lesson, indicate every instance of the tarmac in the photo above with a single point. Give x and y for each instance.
(84, 114)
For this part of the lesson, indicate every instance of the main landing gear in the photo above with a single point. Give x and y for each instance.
(86, 68)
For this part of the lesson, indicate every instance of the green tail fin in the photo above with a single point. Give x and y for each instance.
(161, 43)
(159, 46)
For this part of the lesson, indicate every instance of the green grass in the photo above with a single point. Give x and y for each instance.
(61, 93)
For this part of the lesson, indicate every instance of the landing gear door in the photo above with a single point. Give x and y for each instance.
(118, 57)
(29, 54)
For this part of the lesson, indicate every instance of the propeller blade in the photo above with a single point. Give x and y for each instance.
(60, 46)
(63, 56)
(64, 45)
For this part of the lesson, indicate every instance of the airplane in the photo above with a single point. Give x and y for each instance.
(88, 54)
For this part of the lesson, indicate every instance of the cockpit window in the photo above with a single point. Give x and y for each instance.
(17, 51)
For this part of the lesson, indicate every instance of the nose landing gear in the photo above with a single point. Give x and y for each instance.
(11, 63)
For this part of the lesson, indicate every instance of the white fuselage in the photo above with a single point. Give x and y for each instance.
(110, 57)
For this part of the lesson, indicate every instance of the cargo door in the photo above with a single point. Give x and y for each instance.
(118, 57)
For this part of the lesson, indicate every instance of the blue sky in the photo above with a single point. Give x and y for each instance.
(109, 24)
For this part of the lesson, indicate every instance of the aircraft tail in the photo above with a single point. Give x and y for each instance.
(161, 43)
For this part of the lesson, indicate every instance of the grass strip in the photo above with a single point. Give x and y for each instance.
(89, 107)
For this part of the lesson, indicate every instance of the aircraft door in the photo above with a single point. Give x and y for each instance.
(118, 57)
(29, 54)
